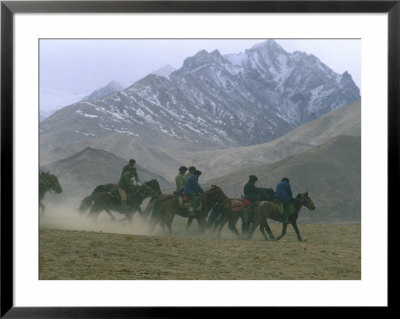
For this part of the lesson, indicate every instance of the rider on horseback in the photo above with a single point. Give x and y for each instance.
(191, 189)
(180, 180)
(125, 186)
(284, 194)
(131, 166)
(252, 194)
(191, 170)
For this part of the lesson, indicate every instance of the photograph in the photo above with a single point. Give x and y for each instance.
(165, 157)
(232, 159)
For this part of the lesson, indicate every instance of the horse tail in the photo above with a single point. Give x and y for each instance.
(150, 207)
(156, 210)
(85, 204)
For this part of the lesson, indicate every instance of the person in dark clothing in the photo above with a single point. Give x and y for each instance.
(284, 194)
(191, 170)
(252, 194)
(125, 187)
(131, 166)
(192, 189)
(250, 190)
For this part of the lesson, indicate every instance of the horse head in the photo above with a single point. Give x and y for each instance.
(51, 182)
(55, 184)
(152, 187)
(215, 192)
(306, 200)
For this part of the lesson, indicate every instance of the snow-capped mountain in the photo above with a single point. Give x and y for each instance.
(213, 100)
(110, 88)
(166, 70)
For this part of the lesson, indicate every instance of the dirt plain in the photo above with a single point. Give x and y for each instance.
(71, 247)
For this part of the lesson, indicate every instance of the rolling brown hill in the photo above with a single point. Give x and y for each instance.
(147, 156)
(343, 121)
(80, 173)
(331, 173)
(165, 160)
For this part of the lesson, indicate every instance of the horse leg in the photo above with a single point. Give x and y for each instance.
(93, 213)
(245, 226)
(294, 224)
(111, 215)
(215, 222)
(284, 226)
(169, 225)
(252, 229)
(129, 215)
(271, 236)
(214, 216)
(189, 222)
(162, 226)
(221, 225)
(167, 219)
(232, 227)
(149, 208)
(263, 232)
(202, 224)
(152, 226)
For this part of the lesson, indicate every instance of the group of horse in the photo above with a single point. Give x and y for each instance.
(216, 209)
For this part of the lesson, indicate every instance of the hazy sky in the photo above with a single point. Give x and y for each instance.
(81, 66)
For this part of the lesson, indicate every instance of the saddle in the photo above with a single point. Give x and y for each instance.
(237, 205)
(279, 204)
(185, 202)
(185, 197)
(113, 192)
(246, 202)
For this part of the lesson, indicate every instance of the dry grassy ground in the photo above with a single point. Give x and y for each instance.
(329, 252)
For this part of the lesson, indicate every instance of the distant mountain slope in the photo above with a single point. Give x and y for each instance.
(345, 120)
(110, 88)
(166, 70)
(213, 101)
(152, 158)
(331, 173)
(80, 173)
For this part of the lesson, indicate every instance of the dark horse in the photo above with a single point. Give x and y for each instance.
(167, 206)
(105, 197)
(47, 182)
(232, 210)
(274, 211)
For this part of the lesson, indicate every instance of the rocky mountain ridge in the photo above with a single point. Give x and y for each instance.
(212, 101)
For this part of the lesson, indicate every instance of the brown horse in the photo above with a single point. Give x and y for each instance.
(104, 197)
(274, 210)
(47, 182)
(167, 206)
(234, 209)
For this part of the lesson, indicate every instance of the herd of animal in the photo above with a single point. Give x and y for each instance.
(216, 211)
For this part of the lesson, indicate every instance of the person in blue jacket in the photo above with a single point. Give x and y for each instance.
(191, 189)
(284, 194)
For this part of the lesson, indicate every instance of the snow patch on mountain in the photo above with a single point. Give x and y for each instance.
(223, 100)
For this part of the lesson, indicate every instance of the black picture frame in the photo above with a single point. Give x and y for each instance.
(9, 8)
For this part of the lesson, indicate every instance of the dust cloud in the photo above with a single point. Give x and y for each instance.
(64, 215)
